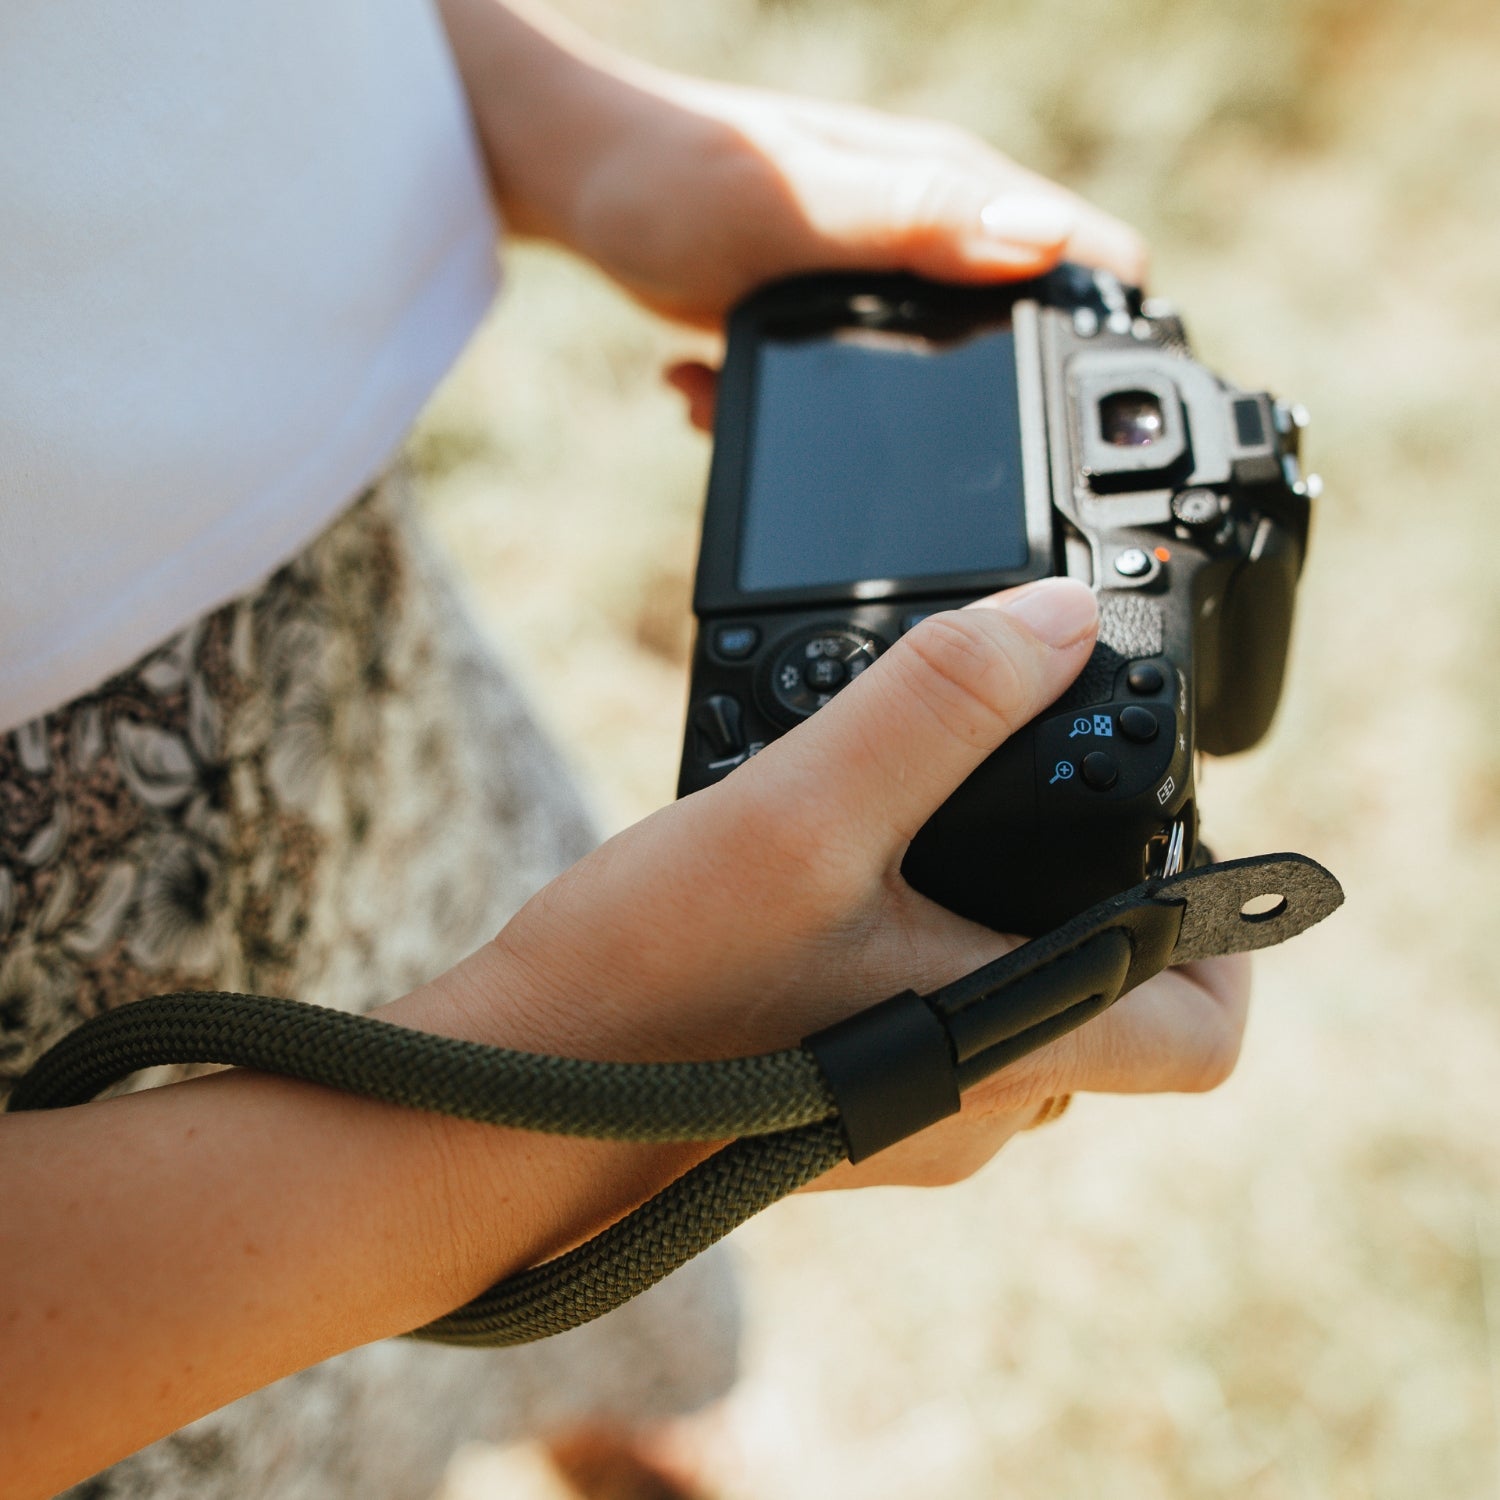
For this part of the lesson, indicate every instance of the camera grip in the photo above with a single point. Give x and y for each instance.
(1240, 681)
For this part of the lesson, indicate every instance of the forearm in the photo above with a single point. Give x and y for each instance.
(547, 101)
(166, 1252)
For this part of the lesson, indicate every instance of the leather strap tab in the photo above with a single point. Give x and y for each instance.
(899, 1066)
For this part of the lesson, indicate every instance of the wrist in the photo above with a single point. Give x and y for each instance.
(497, 1200)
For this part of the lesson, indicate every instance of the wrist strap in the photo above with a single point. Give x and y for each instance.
(846, 1093)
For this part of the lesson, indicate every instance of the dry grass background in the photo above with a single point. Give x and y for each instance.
(1290, 1289)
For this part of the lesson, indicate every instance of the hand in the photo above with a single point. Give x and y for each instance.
(759, 910)
(715, 190)
(733, 922)
(691, 193)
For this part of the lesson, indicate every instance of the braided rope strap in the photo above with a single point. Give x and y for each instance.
(666, 1232)
(848, 1092)
(396, 1065)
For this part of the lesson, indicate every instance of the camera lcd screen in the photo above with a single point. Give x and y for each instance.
(881, 455)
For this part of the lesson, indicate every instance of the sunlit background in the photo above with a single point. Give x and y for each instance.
(1289, 1289)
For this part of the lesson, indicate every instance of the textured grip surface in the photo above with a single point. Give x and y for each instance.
(1129, 627)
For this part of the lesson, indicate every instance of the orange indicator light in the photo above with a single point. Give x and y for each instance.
(1164, 554)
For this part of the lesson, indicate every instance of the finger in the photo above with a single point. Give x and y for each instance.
(945, 1153)
(873, 765)
(699, 384)
(971, 215)
(1026, 231)
(1105, 241)
(1097, 238)
(945, 221)
(1178, 1033)
(912, 194)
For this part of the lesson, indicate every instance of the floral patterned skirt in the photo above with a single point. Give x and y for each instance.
(326, 789)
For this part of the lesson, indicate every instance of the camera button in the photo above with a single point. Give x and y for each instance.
(1138, 724)
(1133, 562)
(1145, 678)
(735, 642)
(824, 673)
(721, 723)
(1198, 508)
(1085, 322)
(1099, 771)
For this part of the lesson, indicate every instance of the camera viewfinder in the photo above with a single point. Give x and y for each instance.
(1130, 419)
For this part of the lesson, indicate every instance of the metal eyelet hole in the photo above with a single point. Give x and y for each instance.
(1263, 908)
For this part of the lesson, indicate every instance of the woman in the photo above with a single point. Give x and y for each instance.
(253, 742)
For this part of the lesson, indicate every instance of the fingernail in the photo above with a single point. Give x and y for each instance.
(1057, 611)
(1035, 220)
(1104, 241)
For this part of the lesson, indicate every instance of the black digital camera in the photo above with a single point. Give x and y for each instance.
(886, 447)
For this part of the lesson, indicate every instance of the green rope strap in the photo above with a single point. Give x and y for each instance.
(778, 1102)
(848, 1092)
(494, 1085)
(702, 1206)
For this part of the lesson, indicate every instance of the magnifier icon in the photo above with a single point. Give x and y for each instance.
(1063, 771)
(1080, 726)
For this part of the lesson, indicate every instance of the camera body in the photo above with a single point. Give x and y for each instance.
(888, 447)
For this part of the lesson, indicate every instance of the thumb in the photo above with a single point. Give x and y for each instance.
(871, 767)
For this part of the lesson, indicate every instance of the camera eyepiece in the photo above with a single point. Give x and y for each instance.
(1131, 419)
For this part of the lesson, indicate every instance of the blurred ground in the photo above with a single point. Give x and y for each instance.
(1290, 1289)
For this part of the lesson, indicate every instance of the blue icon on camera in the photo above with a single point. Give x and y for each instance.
(1101, 725)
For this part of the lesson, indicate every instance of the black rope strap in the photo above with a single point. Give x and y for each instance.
(847, 1092)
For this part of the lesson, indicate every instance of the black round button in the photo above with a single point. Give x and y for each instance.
(823, 674)
(1099, 771)
(1145, 678)
(1138, 724)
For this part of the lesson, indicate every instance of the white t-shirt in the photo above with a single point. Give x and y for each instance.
(239, 245)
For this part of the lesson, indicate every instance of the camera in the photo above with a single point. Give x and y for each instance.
(886, 447)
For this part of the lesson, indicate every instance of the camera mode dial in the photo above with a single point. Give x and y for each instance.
(806, 669)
